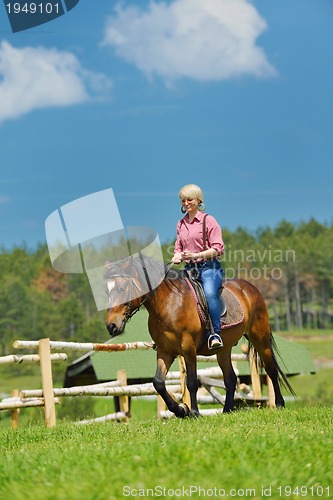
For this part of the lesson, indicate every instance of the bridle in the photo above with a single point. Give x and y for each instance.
(129, 313)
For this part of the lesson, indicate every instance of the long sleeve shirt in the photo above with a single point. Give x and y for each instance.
(190, 234)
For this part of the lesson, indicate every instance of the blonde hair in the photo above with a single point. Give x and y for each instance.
(191, 191)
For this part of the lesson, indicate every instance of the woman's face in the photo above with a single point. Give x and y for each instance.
(190, 204)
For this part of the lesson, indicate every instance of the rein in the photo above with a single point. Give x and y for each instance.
(130, 313)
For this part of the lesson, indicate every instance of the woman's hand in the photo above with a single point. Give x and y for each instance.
(190, 255)
(210, 253)
(177, 258)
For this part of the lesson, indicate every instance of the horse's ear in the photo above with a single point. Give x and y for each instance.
(107, 263)
(127, 265)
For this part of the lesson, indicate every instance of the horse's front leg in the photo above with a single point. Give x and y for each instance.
(164, 361)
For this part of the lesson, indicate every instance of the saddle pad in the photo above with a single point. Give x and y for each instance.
(235, 313)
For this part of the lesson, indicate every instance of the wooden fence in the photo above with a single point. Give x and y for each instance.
(48, 396)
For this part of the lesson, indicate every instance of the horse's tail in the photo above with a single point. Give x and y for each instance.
(282, 375)
(275, 353)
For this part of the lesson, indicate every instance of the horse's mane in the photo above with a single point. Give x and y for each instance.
(138, 265)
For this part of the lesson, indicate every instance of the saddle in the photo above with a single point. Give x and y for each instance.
(199, 294)
(232, 313)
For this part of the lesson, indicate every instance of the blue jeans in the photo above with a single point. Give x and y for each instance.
(211, 275)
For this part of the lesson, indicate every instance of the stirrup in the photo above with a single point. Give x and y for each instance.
(214, 341)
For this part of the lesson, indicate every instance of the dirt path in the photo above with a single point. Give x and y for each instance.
(310, 338)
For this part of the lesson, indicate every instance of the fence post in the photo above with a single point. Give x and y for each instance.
(186, 399)
(255, 378)
(161, 406)
(123, 400)
(47, 382)
(15, 413)
(271, 393)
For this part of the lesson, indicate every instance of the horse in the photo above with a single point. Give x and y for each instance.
(177, 329)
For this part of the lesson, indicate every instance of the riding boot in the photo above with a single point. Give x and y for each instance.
(214, 341)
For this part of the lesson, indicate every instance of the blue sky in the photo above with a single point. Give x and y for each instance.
(144, 97)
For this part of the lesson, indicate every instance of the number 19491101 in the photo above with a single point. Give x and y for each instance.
(33, 8)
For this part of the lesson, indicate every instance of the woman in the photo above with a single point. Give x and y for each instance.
(189, 247)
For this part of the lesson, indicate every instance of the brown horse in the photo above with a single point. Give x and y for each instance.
(175, 327)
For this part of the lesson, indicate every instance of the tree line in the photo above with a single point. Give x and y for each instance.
(292, 265)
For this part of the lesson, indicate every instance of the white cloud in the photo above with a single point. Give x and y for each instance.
(38, 77)
(206, 40)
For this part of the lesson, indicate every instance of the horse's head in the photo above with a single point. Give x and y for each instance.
(123, 290)
(116, 319)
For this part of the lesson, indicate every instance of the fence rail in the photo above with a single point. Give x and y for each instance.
(176, 381)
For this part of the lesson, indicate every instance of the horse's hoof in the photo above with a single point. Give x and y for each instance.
(280, 406)
(185, 410)
(194, 414)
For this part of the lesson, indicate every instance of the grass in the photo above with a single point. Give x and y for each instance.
(244, 450)
(18, 376)
(321, 350)
(306, 332)
(318, 342)
(311, 389)
(240, 453)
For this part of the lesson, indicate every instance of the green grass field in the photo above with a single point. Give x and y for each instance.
(240, 453)
(252, 453)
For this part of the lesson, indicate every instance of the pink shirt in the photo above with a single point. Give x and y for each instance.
(190, 238)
